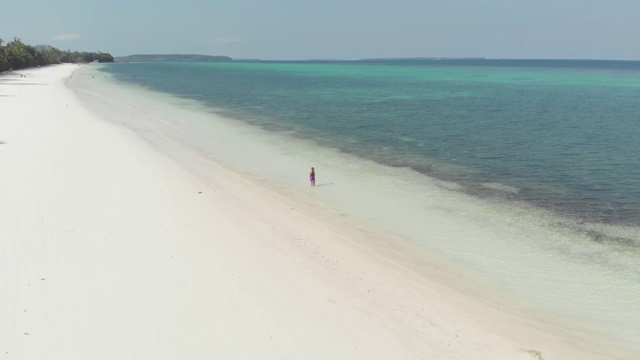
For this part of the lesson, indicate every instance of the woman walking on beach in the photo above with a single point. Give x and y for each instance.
(312, 176)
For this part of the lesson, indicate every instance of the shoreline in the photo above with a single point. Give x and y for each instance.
(499, 246)
(142, 256)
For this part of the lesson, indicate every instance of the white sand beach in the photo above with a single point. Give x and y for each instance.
(111, 250)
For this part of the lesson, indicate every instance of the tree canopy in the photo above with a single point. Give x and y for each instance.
(17, 55)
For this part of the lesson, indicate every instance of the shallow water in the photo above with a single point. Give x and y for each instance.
(549, 252)
(559, 135)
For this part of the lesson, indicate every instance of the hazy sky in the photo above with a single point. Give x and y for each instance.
(332, 29)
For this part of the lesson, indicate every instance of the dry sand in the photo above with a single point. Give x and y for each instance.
(110, 250)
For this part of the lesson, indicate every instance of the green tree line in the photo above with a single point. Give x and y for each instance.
(17, 55)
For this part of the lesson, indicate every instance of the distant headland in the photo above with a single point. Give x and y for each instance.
(171, 57)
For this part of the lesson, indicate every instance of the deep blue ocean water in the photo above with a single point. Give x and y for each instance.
(558, 135)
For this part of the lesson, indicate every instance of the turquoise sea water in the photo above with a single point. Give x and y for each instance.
(527, 173)
(559, 135)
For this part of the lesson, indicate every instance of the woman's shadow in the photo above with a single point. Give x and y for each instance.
(325, 184)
